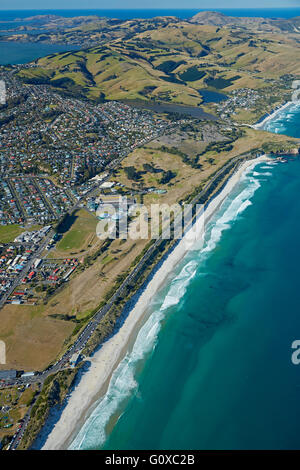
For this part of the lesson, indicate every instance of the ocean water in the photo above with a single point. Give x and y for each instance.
(286, 121)
(7, 16)
(211, 367)
(21, 53)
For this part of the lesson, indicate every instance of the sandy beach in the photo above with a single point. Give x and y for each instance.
(272, 115)
(95, 380)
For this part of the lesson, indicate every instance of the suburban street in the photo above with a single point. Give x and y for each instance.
(84, 336)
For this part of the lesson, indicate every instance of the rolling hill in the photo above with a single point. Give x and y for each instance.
(170, 60)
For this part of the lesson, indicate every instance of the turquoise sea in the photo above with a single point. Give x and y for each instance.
(286, 121)
(211, 367)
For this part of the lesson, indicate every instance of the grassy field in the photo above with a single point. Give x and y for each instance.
(88, 288)
(170, 63)
(79, 237)
(35, 335)
(9, 232)
(17, 400)
(32, 338)
(187, 178)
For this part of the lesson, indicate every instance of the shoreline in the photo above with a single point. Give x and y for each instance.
(94, 382)
(271, 116)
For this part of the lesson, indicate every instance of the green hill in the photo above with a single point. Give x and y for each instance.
(169, 60)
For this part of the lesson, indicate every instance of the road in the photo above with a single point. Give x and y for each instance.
(27, 268)
(84, 336)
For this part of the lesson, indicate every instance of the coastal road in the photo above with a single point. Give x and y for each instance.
(84, 336)
(27, 268)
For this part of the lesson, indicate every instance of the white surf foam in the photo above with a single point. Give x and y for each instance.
(93, 433)
(122, 384)
(235, 208)
(266, 173)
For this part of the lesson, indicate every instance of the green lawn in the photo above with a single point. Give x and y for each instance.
(71, 241)
(9, 232)
(82, 230)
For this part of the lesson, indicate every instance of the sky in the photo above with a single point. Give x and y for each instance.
(138, 4)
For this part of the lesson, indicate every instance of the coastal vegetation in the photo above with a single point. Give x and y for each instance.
(163, 60)
(9, 232)
(173, 62)
(16, 401)
(79, 237)
(54, 392)
(248, 144)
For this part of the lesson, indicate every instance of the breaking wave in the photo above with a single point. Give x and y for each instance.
(123, 383)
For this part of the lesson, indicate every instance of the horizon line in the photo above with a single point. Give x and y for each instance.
(150, 9)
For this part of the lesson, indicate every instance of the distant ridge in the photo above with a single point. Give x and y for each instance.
(252, 23)
(212, 17)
